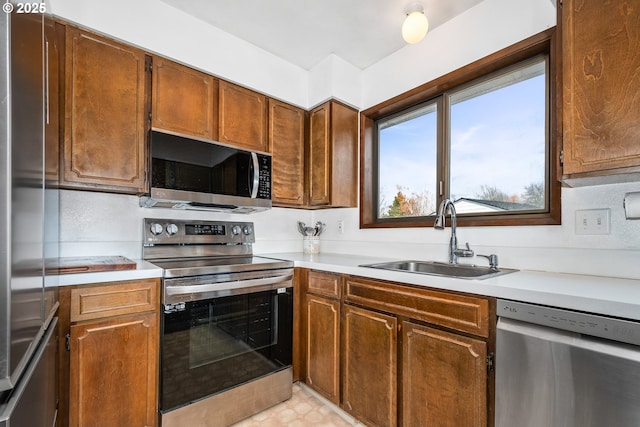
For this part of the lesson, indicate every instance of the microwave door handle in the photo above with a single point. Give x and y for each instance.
(255, 167)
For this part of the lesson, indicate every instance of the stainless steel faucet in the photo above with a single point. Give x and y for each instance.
(439, 224)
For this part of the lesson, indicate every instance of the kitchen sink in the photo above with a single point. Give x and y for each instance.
(460, 271)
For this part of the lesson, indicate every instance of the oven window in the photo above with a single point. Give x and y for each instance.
(213, 345)
(229, 327)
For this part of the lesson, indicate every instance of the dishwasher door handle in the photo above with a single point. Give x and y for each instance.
(570, 339)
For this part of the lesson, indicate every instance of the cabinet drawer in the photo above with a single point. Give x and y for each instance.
(105, 300)
(459, 312)
(324, 284)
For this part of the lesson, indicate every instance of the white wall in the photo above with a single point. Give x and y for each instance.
(547, 248)
(107, 224)
(484, 29)
(335, 78)
(94, 223)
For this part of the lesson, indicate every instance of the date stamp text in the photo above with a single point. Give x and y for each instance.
(33, 7)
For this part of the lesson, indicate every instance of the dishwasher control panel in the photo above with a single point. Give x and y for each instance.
(583, 323)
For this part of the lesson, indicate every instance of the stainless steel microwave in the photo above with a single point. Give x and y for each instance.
(191, 173)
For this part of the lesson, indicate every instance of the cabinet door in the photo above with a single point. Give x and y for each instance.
(113, 372)
(286, 144)
(369, 376)
(184, 100)
(319, 156)
(344, 146)
(242, 117)
(54, 44)
(105, 114)
(333, 156)
(323, 346)
(444, 378)
(601, 85)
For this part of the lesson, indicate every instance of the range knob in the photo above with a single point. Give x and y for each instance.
(172, 229)
(236, 229)
(156, 228)
(247, 230)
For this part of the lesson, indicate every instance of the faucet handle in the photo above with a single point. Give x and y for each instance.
(465, 253)
(493, 261)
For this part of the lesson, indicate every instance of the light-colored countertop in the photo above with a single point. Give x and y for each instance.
(143, 270)
(594, 294)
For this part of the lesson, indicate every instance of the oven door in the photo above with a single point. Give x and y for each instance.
(222, 331)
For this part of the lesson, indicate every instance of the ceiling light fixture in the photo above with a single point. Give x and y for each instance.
(415, 25)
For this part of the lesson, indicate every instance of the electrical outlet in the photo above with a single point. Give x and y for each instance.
(593, 221)
(341, 226)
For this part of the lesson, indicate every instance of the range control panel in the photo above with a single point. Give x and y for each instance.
(610, 328)
(177, 232)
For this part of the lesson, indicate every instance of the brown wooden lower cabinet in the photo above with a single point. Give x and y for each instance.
(323, 346)
(112, 376)
(410, 356)
(113, 354)
(369, 375)
(444, 378)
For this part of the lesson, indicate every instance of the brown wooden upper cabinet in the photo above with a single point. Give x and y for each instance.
(333, 156)
(242, 117)
(54, 45)
(287, 146)
(601, 130)
(184, 100)
(106, 110)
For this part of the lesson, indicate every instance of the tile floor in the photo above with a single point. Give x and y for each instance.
(304, 409)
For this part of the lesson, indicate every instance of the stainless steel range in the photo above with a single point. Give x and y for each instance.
(226, 322)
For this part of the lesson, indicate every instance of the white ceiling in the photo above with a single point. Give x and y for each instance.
(305, 32)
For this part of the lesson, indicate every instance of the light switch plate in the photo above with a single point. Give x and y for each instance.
(593, 221)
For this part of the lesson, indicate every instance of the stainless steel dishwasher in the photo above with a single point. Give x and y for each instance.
(560, 368)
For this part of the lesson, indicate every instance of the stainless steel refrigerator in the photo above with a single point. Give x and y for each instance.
(27, 319)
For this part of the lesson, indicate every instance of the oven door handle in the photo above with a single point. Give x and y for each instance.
(233, 288)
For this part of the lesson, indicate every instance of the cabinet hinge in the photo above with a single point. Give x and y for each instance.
(490, 362)
(67, 342)
(561, 157)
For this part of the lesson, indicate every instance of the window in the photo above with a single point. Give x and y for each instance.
(498, 140)
(484, 142)
(407, 150)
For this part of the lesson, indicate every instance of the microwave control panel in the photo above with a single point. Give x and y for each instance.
(264, 180)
